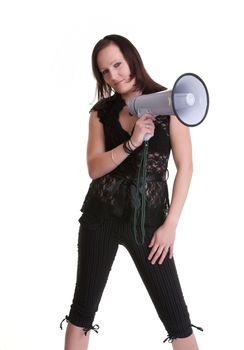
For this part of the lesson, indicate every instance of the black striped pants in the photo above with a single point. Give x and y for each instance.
(97, 248)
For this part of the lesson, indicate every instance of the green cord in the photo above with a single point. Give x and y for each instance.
(140, 191)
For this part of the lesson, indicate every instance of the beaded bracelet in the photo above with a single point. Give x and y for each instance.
(127, 148)
(132, 144)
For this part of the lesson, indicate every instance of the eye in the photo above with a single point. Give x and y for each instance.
(117, 64)
(105, 71)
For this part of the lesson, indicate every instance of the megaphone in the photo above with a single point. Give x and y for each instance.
(188, 100)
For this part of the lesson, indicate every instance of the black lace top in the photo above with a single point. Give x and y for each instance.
(113, 195)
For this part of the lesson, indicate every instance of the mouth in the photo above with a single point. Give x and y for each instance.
(119, 82)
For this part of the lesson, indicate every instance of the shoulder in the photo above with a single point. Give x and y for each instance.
(179, 134)
(176, 124)
(104, 103)
(108, 108)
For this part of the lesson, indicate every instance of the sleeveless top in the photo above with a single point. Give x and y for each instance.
(116, 195)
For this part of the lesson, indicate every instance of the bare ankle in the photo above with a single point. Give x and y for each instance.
(188, 343)
(75, 338)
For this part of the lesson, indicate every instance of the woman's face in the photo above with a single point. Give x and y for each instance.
(115, 70)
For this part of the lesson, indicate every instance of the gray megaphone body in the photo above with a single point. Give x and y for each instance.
(188, 101)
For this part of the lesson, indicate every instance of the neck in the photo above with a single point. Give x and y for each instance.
(126, 97)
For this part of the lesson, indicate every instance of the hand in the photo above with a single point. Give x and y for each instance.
(144, 125)
(161, 242)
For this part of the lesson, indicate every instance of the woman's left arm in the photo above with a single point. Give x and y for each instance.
(182, 153)
(164, 236)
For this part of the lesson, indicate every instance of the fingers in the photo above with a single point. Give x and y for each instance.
(147, 125)
(144, 126)
(152, 241)
(153, 251)
(147, 116)
(146, 119)
(171, 249)
(160, 251)
(165, 252)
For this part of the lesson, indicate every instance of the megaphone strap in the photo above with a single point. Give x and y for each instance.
(140, 210)
(139, 197)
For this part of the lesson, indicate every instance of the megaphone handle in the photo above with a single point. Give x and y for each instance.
(141, 112)
(147, 137)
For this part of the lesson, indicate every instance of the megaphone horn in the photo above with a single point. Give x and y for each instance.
(188, 100)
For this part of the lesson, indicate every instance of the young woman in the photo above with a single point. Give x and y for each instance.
(127, 202)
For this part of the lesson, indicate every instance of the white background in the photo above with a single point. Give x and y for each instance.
(46, 91)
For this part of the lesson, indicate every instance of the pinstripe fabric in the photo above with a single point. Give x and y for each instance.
(106, 222)
(97, 248)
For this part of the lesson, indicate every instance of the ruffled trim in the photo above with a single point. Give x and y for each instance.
(170, 338)
(94, 327)
(108, 109)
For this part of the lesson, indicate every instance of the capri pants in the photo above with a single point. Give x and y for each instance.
(97, 248)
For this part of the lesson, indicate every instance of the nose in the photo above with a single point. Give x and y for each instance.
(113, 75)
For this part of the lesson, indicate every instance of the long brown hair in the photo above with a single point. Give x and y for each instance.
(143, 80)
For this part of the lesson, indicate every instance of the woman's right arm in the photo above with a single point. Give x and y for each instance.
(99, 161)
